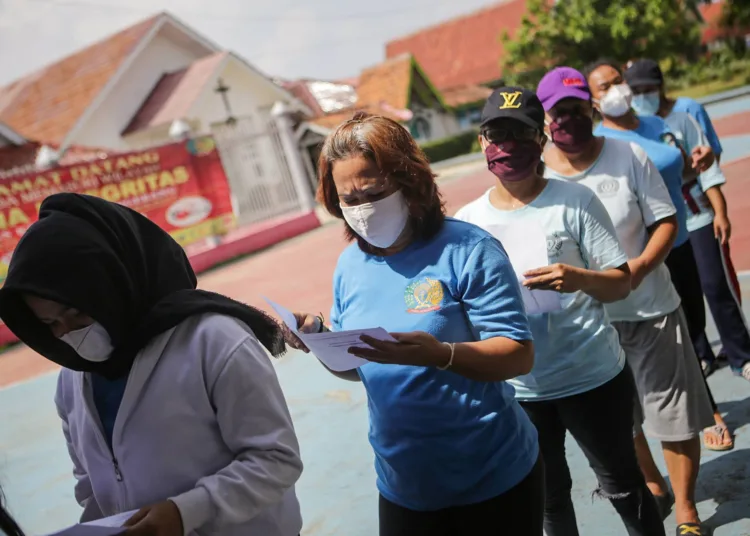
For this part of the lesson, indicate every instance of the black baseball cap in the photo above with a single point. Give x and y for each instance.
(644, 73)
(514, 103)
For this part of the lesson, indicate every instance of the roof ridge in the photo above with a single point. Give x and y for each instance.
(146, 23)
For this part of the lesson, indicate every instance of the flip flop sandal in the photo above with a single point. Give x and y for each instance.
(718, 430)
(693, 529)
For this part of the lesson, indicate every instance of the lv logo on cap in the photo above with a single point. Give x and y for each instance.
(510, 100)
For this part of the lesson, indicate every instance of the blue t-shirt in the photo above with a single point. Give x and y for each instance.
(698, 112)
(575, 349)
(440, 439)
(660, 145)
(107, 398)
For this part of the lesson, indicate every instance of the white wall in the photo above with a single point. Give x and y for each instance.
(249, 96)
(160, 57)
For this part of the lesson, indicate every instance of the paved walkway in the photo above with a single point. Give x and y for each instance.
(337, 488)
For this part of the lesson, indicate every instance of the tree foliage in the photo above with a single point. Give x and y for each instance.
(577, 32)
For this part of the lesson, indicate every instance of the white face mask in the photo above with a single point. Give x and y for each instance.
(647, 103)
(616, 102)
(92, 343)
(380, 222)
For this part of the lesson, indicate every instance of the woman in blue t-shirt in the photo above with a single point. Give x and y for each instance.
(578, 383)
(454, 452)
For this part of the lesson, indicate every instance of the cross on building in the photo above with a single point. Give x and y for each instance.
(222, 90)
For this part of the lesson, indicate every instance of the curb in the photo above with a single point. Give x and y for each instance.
(725, 95)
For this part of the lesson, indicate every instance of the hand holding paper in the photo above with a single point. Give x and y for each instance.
(332, 347)
(526, 246)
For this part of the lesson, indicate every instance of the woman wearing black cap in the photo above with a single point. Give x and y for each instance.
(579, 382)
(169, 403)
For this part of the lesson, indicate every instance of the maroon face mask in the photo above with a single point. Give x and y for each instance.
(513, 160)
(572, 133)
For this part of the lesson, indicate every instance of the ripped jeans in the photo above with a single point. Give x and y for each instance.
(601, 422)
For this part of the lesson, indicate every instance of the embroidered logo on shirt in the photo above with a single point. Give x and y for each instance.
(423, 295)
(554, 245)
(669, 139)
(607, 188)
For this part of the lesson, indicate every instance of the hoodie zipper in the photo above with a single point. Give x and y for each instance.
(99, 433)
(118, 474)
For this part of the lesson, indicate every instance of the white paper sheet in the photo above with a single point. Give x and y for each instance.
(117, 520)
(108, 526)
(331, 348)
(526, 246)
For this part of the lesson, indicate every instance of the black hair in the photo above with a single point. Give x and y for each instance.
(602, 62)
(7, 524)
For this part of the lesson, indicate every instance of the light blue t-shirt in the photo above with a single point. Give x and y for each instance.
(660, 144)
(689, 135)
(699, 113)
(440, 439)
(576, 349)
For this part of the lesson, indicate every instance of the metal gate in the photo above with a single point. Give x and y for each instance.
(257, 170)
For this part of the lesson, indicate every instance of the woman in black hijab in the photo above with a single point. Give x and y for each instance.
(168, 400)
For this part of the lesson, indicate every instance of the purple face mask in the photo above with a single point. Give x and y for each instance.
(572, 133)
(513, 160)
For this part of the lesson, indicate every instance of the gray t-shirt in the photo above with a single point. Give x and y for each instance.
(635, 196)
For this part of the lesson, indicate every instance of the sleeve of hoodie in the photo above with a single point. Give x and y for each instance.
(255, 424)
(83, 492)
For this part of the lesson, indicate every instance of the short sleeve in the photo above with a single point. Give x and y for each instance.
(336, 307)
(713, 176)
(708, 128)
(490, 294)
(653, 195)
(599, 245)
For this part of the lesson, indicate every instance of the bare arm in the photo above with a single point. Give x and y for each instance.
(662, 236)
(493, 360)
(608, 285)
(722, 226)
(718, 201)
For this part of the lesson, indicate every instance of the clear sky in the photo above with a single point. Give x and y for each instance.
(325, 39)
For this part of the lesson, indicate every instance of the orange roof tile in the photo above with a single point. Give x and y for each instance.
(459, 96)
(382, 90)
(331, 121)
(45, 105)
(174, 94)
(387, 82)
(465, 50)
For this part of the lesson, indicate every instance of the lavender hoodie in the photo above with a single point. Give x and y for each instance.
(203, 422)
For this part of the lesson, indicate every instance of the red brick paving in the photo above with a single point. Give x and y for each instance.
(297, 273)
(733, 125)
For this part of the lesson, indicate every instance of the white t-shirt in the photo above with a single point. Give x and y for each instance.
(635, 196)
(576, 348)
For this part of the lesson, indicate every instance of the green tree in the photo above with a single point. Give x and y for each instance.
(577, 32)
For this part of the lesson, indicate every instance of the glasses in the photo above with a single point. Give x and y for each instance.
(499, 135)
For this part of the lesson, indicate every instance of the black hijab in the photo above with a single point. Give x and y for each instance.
(118, 267)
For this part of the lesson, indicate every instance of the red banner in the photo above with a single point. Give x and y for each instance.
(181, 187)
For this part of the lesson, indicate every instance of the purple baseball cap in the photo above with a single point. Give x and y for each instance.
(562, 83)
